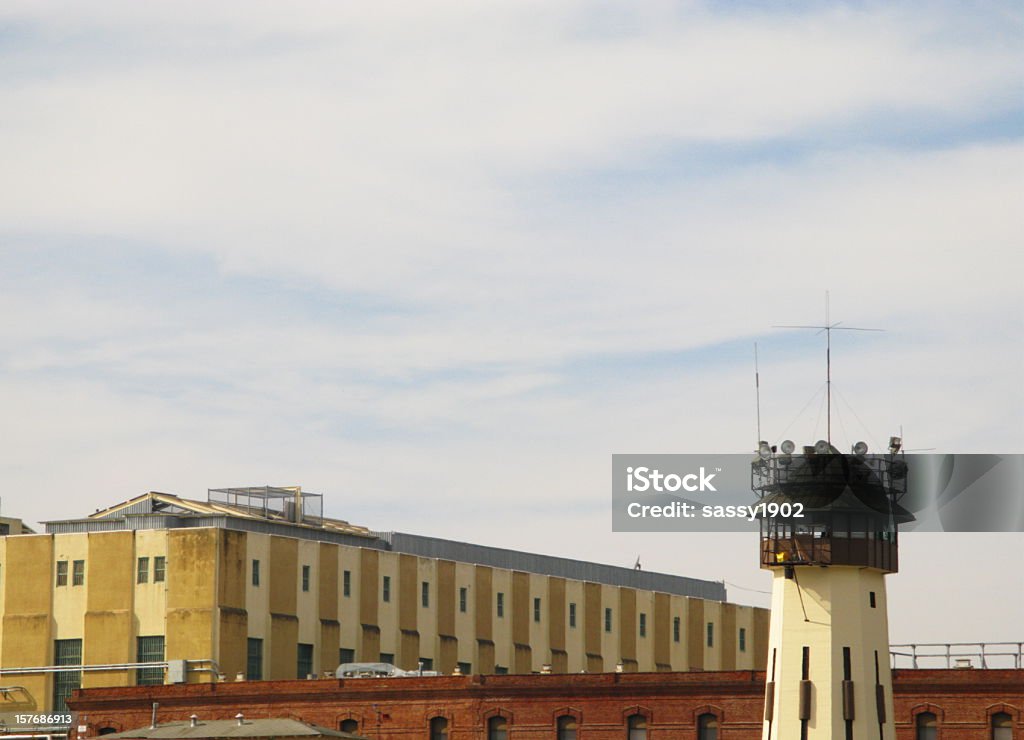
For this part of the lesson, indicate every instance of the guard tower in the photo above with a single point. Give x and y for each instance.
(829, 535)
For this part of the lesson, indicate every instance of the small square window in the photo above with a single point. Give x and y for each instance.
(387, 658)
(466, 669)
(346, 655)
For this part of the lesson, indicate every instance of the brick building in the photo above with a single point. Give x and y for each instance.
(946, 704)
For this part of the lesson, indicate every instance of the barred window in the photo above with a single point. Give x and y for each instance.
(66, 652)
(77, 572)
(149, 650)
(62, 572)
(254, 660)
(159, 569)
(142, 571)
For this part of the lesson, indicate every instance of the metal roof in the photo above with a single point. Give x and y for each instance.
(277, 727)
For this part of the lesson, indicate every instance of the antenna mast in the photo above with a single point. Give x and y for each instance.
(827, 328)
(757, 392)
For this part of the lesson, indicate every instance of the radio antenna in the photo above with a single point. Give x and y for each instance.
(828, 328)
(757, 393)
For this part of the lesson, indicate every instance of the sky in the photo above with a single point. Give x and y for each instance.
(440, 260)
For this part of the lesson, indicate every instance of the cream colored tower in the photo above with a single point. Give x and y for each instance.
(829, 536)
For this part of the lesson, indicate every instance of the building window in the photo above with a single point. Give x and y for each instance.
(607, 619)
(743, 639)
(572, 615)
(637, 726)
(497, 728)
(142, 572)
(425, 594)
(386, 589)
(77, 572)
(149, 650)
(346, 655)
(500, 670)
(426, 664)
(304, 662)
(643, 625)
(346, 583)
(927, 725)
(707, 727)
(871, 599)
(387, 658)
(349, 725)
(305, 578)
(711, 634)
(536, 610)
(676, 628)
(466, 669)
(62, 572)
(463, 598)
(438, 728)
(501, 604)
(254, 660)
(255, 572)
(159, 569)
(66, 652)
(1002, 726)
(566, 727)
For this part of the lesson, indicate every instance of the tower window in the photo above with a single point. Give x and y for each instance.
(743, 640)
(536, 610)
(159, 569)
(643, 625)
(305, 578)
(607, 619)
(346, 583)
(501, 604)
(386, 589)
(927, 725)
(711, 634)
(62, 572)
(77, 572)
(425, 594)
(255, 572)
(142, 572)
(871, 599)
(463, 599)
(572, 615)
(676, 629)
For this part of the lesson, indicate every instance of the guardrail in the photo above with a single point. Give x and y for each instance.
(958, 655)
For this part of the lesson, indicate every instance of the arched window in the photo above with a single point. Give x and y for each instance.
(1002, 726)
(349, 725)
(438, 728)
(637, 724)
(707, 727)
(927, 726)
(566, 727)
(107, 731)
(497, 728)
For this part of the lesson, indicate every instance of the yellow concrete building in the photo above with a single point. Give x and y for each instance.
(257, 584)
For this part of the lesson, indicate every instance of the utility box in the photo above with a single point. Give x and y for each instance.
(176, 671)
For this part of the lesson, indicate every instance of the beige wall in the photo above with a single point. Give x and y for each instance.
(207, 608)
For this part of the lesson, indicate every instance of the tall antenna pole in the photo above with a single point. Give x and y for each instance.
(827, 328)
(757, 391)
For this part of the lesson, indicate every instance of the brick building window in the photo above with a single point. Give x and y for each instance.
(254, 659)
(305, 577)
(676, 628)
(1002, 726)
(438, 728)
(346, 584)
(142, 571)
(149, 650)
(255, 572)
(346, 655)
(566, 727)
(349, 725)
(636, 725)
(572, 615)
(77, 572)
(466, 669)
(927, 726)
(497, 728)
(159, 569)
(463, 598)
(707, 727)
(386, 589)
(62, 572)
(387, 658)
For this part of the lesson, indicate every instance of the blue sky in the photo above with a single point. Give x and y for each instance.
(446, 256)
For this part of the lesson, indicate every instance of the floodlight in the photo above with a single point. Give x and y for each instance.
(895, 445)
(788, 446)
(860, 449)
(821, 447)
(764, 450)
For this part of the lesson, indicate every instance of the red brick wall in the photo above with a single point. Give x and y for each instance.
(400, 708)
